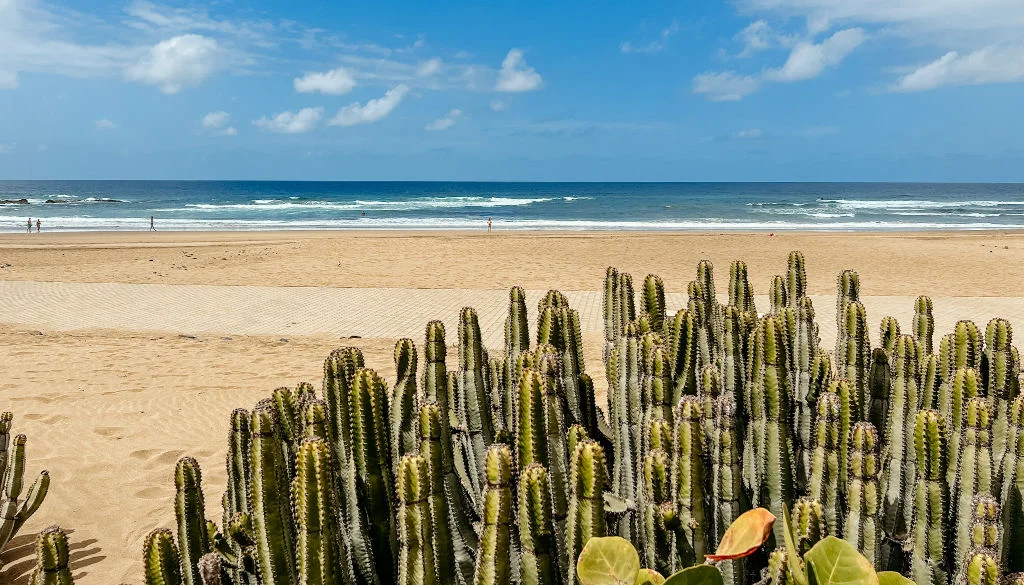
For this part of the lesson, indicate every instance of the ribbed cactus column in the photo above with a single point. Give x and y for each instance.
(51, 559)
(728, 499)
(586, 504)
(319, 558)
(682, 348)
(13, 510)
(372, 457)
(654, 302)
(931, 496)
(611, 311)
(985, 530)
(796, 278)
(888, 334)
(898, 465)
(879, 386)
(190, 513)
(931, 380)
(964, 385)
(404, 408)
(861, 527)
(706, 278)
(557, 457)
(416, 531)
(710, 390)
(847, 291)
(741, 295)
(539, 564)
(981, 569)
(272, 522)
(823, 482)
(804, 349)
(1012, 490)
(689, 480)
(494, 559)
(777, 294)
(474, 401)
(924, 324)
(965, 348)
(974, 471)
(160, 559)
(809, 524)
(855, 359)
(704, 350)
(733, 367)
(1001, 384)
(659, 511)
(517, 337)
(626, 423)
(531, 440)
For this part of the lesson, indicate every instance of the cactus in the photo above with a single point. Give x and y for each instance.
(778, 571)
(1011, 489)
(494, 558)
(927, 543)
(931, 381)
(586, 504)
(13, 510)
(682, 347)
(741, 295)
(777, 294)
(854, 361)
(964, 385)
(734, 336)
(965, 346)
(710, 390)
(51, 559)
(624, 399)
(924, 324)
(473, 400)
(517, 334)
(190, 512)
(416, 530)
(658, 514)
(796, 278)
(160, 559)
(654, 301)
(985, 524)
(728, 500)
(980, 568)
(861, 526)
(557, 456)
(809, 524)
(973, 473)
(803, 347)
(847, 291)
(404, 437)
(706, 278)
(271, 511)
(539, 563)
(611, 311)
(880, 386)
(888, 334)
(319, 559)
(1000, 372)
(688, 481)
(823, 483)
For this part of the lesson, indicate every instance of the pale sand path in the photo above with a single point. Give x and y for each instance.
(384, 313)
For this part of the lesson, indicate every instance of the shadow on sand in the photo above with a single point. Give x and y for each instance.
(19, 558)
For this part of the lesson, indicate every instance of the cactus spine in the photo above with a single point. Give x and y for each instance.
(319, 558)
(416, 530)
(586, 505)
(688, 478)
(796, 278)
(51, 559)
(823, 484)
(861, 527)
(659, 511)
(931, 498)
(160, 559)
(538, 565)
(494, 558)
(404, 438)
(728, 500)
(190, 512)
(924, 324)
(974, 471)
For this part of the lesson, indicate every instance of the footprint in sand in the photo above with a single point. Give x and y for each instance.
(48, 419)
(109, 431)
(151, 493)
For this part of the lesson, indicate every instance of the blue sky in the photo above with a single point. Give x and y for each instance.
(699, 90)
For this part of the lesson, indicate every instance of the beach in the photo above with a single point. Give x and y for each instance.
(126, 351)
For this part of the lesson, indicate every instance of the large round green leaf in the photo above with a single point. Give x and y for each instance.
(608, 560)
(649, 577)
(893, 578)
(836, 562)
(698, 575)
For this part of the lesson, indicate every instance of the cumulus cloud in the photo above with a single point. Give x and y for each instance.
(499, 105)
(724, 86)
(808, 60)
(291, 122)
(986, 65)
(429, 67)
(656, 46)
(218, 122)
(8, 79)
(374, 110)
(516, 75)
(447, 121)
(104, 124)
(178, 62)
(334, 82)
(756, 37)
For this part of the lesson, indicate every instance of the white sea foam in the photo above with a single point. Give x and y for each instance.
(889, 204)
(266, 205)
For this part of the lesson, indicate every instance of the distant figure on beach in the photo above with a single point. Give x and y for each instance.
(364, 214)
(152, 224)
(30, 225)
(38, 226)
(488, 225)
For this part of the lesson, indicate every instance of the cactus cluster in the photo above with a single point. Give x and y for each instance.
(16, 504)
(498, 470)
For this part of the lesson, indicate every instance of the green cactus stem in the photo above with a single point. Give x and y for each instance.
(1011, 490)
(927, 542)
(51, 559)
(319, 559)
(741, 295)
(658, 514)
(611, 311)
(973, 473)
(190, 513)
(855, 359)
(626, 421)
(271, 510)
(404, 437)
(880, 386)
(809, 525)
(985, 529)
(847, 291)
(823, 483)
(474, 402)
(980, 569)
(804, 351)
(888, 334)
(862, 527)
(494, 558)
(416, 531)
(1000, 372)
(734, 336)
(924, 324)
(14, 511)
(654, 301)
(517, 334)
(796, 278)
(539, 564)
(777, 294)
(688, 454)
(586, 504)
(728, 500)
(160, 558)
(954, 395)
(682, 348)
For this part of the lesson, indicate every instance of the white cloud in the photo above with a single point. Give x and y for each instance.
(987, 65)
(809, 60)
(292, 122)
(655, 46)
(104, 124)
(8, 79)
(218, 122)
(756, 37)
(499, 105)
(374, 110)
(751, 133)
(447, 121)
(334, 82)
(724, 86)
(516, 75)
(178, 62)
(229, 131)
(429, 67)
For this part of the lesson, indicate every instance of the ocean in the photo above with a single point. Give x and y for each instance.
(257, 205)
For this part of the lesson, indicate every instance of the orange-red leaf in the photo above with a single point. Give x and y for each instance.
(745, 535)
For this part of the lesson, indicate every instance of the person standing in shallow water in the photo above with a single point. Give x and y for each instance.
(488, 225)
(38, 226)
(30, 225)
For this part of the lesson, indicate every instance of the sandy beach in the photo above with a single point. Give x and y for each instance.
(125, 351)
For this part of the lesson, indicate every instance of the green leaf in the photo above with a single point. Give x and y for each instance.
(649, 577)
(608, 560)
(699, 575)
(837, 562)
(893, 578)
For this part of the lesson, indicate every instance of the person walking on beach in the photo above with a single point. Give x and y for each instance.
(30, 225)
(488, 225)
(38, 226)
(152, 224)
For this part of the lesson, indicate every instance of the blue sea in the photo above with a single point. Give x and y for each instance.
(254, 205)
